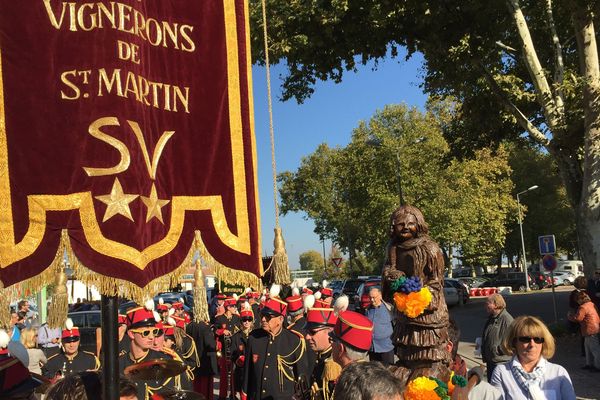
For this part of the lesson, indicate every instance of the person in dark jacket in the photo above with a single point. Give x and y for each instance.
(206, 346)
(275, 357)
(494, 331)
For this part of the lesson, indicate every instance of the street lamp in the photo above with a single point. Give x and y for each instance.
(376, 142)
(522, 240)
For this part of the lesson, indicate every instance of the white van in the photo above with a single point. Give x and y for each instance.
(573, 266)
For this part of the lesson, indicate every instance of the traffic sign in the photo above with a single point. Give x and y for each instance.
(547, 244)
(549, 262)
(337, 261)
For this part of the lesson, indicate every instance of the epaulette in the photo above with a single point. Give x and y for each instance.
(90, 353)
(296, 333)
(172, 353)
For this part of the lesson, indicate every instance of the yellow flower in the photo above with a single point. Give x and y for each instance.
(400, 300)
(414, 303)
(421, 388)
(450, 384)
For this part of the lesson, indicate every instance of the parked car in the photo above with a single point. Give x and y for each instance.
(463, 290)
(561, 278)
(515, 280)
(349, 287)
(450, 294)
(87, 322)
(473, 282)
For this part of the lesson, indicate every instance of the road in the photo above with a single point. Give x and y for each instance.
(472, 316)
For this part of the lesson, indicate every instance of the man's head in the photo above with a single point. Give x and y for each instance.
(271, 323)
(375, 296)
(368, 381)
(159, 339)
(141, 326)
(318, 338)
(127, 389)
(352, 337)
(70, 338)
(23, 305)
(495, 304)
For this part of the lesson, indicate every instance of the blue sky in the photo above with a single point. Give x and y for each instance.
(329, 116)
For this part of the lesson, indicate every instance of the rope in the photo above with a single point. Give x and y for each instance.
(270, 102)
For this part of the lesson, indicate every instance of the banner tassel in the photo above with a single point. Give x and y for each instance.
(58, 309)
(200, 299)
(4, 307)
(279, 262)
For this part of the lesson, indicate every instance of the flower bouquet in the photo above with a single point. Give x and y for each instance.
(410, 297)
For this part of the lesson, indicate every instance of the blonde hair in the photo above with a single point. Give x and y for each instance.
(527, 325)
(28, 338)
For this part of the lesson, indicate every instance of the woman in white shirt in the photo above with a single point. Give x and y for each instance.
(37, 358)
(529, 375)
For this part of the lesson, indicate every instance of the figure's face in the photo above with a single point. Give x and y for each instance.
(71, 347)
(220, 303)
(527, 349)
(405, 226)
(169, 343)
(318, 339)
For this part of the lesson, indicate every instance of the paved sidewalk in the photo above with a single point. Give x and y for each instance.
(568, 354)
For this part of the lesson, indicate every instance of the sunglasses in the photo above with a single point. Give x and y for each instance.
(247, 319)
(147, 332)
(313, 332)
(527, 339)
(267, 317)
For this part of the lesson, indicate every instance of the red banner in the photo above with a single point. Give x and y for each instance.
(129, 124)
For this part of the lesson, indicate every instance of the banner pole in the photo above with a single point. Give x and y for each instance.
(110, 345)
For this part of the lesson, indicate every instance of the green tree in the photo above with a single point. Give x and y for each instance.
(547, 209)
(311, 260)
(350, 192)
(520, 68)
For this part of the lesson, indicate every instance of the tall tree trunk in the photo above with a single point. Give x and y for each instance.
(588, 213)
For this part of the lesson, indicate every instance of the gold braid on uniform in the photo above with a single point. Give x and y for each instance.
(188, 370)
(331, 372)
(283, 362)
(191, 353)
(96, 359)
(150, 390)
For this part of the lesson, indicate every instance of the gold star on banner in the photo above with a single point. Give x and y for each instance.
(154, 205)
(117, 202)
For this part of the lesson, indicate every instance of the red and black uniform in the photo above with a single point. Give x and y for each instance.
(206, 347)
(273, 364)
(232, 324)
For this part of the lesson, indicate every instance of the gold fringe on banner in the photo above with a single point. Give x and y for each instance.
(281, 270)
(200, 300)
(225, 274)
(112, 286)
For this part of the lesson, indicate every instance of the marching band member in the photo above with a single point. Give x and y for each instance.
(275, 357)
(238, 344)
(142, 330)
(206, 346)
(320, 323)
(225, 326)
(70, 360)
(295, 312)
